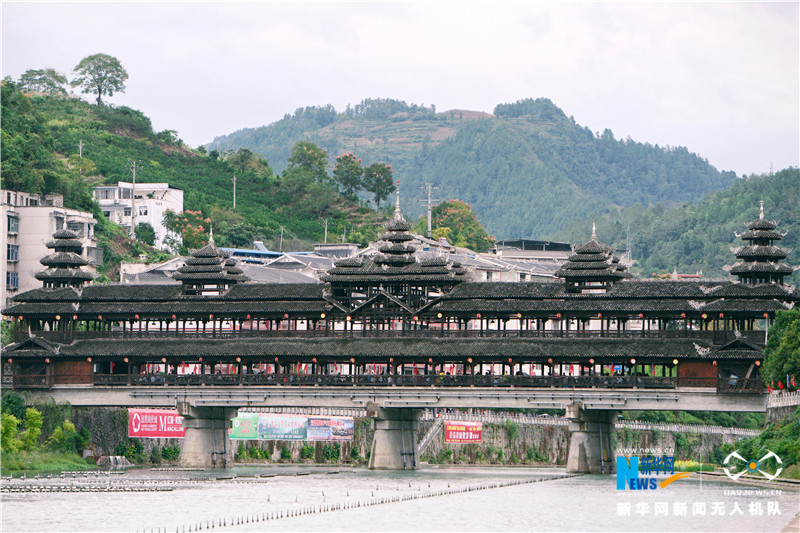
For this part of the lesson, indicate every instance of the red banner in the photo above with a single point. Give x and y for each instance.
(155, 423)
(456, 432)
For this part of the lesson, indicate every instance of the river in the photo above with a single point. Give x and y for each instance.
(334, 498)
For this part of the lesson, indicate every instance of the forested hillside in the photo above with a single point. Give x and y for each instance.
(41, 140)
(698, 236)
(527, 171)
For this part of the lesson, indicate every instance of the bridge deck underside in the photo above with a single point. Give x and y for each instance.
(686, 399)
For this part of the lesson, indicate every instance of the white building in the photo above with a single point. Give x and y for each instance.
(27, 224)
(150, 202)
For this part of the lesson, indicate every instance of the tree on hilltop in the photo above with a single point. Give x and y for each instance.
(455, 221)
(100, 74)
(310, 157)
(378, 181)
(348, 174)
(45, 81)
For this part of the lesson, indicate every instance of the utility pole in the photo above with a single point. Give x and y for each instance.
(80, 155)
(628, 236)
(234, 191)
(281, 245)
(429, 203)
(133, 199)
(326, 231)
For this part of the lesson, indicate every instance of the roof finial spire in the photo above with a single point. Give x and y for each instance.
(594, 231)
(211, 235)
(398, 214)
(761, 215)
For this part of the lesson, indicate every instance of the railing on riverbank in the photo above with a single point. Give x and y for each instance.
(783, 399)
(546, 420)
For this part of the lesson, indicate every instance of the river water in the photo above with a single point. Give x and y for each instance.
(335, 498)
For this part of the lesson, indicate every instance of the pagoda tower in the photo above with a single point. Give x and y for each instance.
(592, 267)
(760, 260)
(63, 266)
(209, 271)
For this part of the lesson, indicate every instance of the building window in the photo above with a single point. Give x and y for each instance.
(59, 223)
(488, 276)
(77, 227)
(94, 255)
(142, 210)
(125, 194)
(12, 280)
(12, 252)
(126, 212)
(13, 224)
(522, 277)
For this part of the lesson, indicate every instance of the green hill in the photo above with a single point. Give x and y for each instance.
(41, 138)
(698, 236)
(527, 171)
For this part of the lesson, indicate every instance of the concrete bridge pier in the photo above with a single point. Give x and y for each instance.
(206, 442)
(394, 443)
(590, 448)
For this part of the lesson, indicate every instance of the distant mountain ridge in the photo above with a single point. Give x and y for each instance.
(528, 170)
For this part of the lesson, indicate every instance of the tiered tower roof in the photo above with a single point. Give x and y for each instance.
(760, 260)
(395, 261)
(63, 266)
(209, 270)
(592, 266)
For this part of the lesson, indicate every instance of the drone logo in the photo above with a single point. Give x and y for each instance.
(752, 466)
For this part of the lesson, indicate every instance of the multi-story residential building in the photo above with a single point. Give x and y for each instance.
(149, 201)
(27, 223)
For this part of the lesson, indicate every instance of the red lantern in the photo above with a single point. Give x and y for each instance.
(248, 317)
(478, 315)
(641, 315)
(721, 315)
(758, 363)
(173, 317)
(519, 315)
(550, 360)
(47, 360)
(469, 360)
(599, 315)
(211, 316)
(134, 316)
(558, 316)
(89, 359)
(285, 315)
(683, 315)
(126, 359)
(704, 316)
(352, 359)
(633, 361)
(347, 318)
(276, 359)
(714, 362)
(313, 359)
(438, 315)
(238, 359)
(99, 317)
(766, 315)
(591, 361)
(391, 359)
(163, 359)
(430, 359)
(200, 359)
(58, 317)
(322, 315)
(74, 317)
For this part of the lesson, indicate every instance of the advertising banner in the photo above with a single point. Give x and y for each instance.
(456, 432)
(327, 428)
(155, 424)
(244, 426)
(281, 427)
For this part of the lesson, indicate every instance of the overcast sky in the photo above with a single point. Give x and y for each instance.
(719, 78)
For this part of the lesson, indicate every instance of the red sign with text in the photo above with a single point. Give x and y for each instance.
(155, 424)
(456, 432)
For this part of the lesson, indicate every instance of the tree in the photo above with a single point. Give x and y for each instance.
(186, 231)
(378, 181)
(464, 229)
(145, 233)
(782, 354)
(100, 74)
(45, 81)
(311, 158)
(348, 174)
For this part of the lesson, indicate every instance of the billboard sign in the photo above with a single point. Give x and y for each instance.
(155, 424)
(456, 432)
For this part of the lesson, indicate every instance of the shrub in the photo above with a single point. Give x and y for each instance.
(535, 456)
(155, 455)
(64, 438)
(512, 430)
(170, 453)
(286, 453)
(307, 452)
(355, 455)
(332, 451)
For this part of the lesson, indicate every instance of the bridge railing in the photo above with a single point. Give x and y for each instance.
(717, 337)
(783, 398)
(723, 386)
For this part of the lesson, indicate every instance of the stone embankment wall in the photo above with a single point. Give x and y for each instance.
(502, 443)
